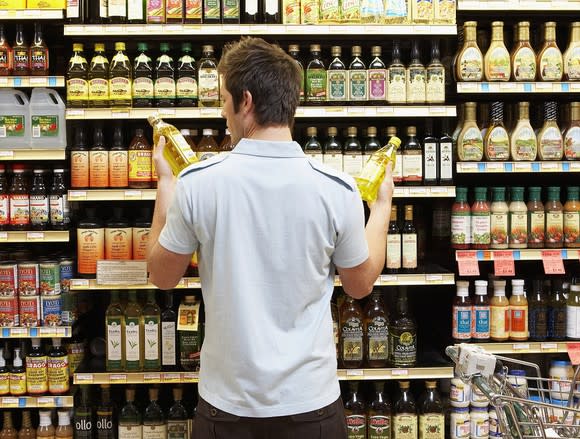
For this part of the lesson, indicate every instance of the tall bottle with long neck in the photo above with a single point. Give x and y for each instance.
(105, 415)
(154, 424)
(397, 79)
(114, 330)
(152, 333)
(133, 334)
(39, 57)
(315, 78)
(497, 57)
(403, 335)
(337, 79)
(77, 86)
(27, 431)
(168, 334)
(416, 77)
(20, 53)
(5, 54)
(435, 88)
(572, 54)
(143, 86)
(351, 334)
(130, 423)
(431, 414)
(405, 412)
(177, 417)
(98, 81)
(380, 416)
(83, 415)
(120, 78)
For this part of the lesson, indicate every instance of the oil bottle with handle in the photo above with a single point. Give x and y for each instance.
(372, 175)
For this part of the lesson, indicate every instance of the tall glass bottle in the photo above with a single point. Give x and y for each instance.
(550, 141)
(431, 156)
(416, 77)
(376, 332)
(357, 78)
(99, 161)
(39, 58)
(133, 334)
(164, 88)
(557, 312)
(120, 77)
(352, 157)
(208, 80)
(337, 79)
(315, 78)
(186, 85)
(312, 147)
(6, 61)
(403, 335)
(497, 57)
(409, 242)
(523, 141)
(393, 262)
(117, 11)
(332, 150)
(177, 417)
(20, 53)
(549, 59)
(572, 54)
(294, 52)
(538, 312)
(76, 12)
(98, 13)
(77, 86)
(98, 78)
(435, 87)
(83, 415)
(143, 86)
(39, 208)
(380, 414)
(412, 159)
(19, 200)
(470, 141)
(351, 334)
(397, 80)
(152, 333)
(154, 425)
(431, 414)
(469, 64)
(168, 334)
(118, 160)
(105, 414)
(114, 330)
(130, 417)
(523, 57)
(140, 165)
(136, 11)
(377, 77)
(405, 412)
(355, 413)
(497, 141)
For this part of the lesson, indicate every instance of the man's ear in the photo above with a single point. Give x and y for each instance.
(247, 101)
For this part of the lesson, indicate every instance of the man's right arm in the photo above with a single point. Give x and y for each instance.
(358, 281)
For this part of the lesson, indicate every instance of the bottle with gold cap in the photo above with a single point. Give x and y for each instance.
(572, 134)
(120, 78)
(77, 86)
(497, 57)
(550, 63)
(572, 54)
(336, 77)
(98, 83)
(315, 78)
(523, 56)
(177, 151)
(469, 65)
(357, 77)
(470, 140)
(312, 147)
(208, 79)
(373, 172)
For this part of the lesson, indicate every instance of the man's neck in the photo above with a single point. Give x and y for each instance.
(276, 134)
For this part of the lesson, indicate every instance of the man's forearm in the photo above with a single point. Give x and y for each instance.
(376, 235)
(165, 190)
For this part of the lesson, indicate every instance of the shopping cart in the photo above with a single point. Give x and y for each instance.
(527, 407)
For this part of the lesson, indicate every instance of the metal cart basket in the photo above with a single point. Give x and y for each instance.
(528, 407)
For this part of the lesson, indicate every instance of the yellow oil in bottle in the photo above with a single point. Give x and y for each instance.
(372, 175)
(177, 151)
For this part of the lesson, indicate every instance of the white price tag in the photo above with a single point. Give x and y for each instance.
(468, 86)
(166, 112)
(544, 85)
(79, 283)
(231, 28)
(385, 110)
(77, 195)
(356, 110)
(387, 278)
(123, 114)
(494, 167)
(135, 29)
(75, 113)
(174, 28)
(400, 372)
(6, 154)
(34, 236)
(19, 331)
(133, 195)
(548, 346)
(436, 110)
(417, 191)
(45, 401)
(433, 278)
(507, 86)
(38, 80)
(70, 30)
(467, 167)
(151, 377)
(521, 347)
(525, 167)
(118, 378)
(422, 29)
(116, 30)
(575, 86)
(439, 190)
(354, 372)
(190, 377)
(551, 166)
(10, 402)
(3, 236)
(338, 29)
(575, 165)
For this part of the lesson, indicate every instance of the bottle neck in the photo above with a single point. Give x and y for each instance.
(524, 34)
(497, 34)
(524, 112)
(470, 34)
(574, 35)
(550, 34)
(469, 113)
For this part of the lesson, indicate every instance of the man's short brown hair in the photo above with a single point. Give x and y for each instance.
(270, 75)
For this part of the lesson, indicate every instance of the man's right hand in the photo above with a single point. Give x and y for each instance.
(162, 168)
(386, 190)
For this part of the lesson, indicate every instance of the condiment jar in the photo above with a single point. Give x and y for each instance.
(518, 219)
(460, 393)
(560, 374)
(517, 378)
(479, 423)
(572, 219)
(554, 219)
(460, 220)
(480, 220)
(460, 426)
(499, 219)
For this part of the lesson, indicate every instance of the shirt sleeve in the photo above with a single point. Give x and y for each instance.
(351, 245)
(178, 234)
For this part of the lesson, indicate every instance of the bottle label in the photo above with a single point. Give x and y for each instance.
(525, 142)
(378, 339)
(140, 240)
(481, 228)
(58, 374)
(461, 228)
(430, 152)
(79, 172)
(500, 322)
(143, 88)
(519, 321)
(231, 10)
(4, 383)
(572, 143)
(551, 66)
(377, 84)
(155, 11)
(193, 10)
(118, 244)
(352, 336)
(524, 64)
(118, 168)
(4, 210)
(164, 88)
(571, 65)
(17, 383)
(462, 322)
(91, 248)
(572, 227)
(208, 85)
(357, 80)
(397, 86)
(174, 9)
(135, 10)
(151, 341)
(436, 84)
(59, 210)
(537, 227)
(130, 431)
(499, 65)
(413, 167)
(573, 321)
(337, 85)
(379, 427)
(140, 162)
(479, 427)
(470, 65)
(352, 164)
(329, 11)
(356, 426)
(98, 89)
(51, 310)
(432, 426)
(132, 343)
(518, 228)
(168, 344)
(416, 88)
(177, 430)
(117, 8)
(394, 260)
(471, 146)
(99, 169)
(155, 431)
(36, 375)
(186, 88)
(104, 424)
(481, 322)
(316, 85)
(4, 58)
(45, 126)
(77, 89)
(21, 60)
(39, 210)
(398, 170)
(498, 144)
(351, 11)
(310, 11)
(405, 426)
(333, 161)
(404, 348)
(499, 229)
(551, 144)
(409, 250)
(554, 226)
(211, 10)
(19, 210)
(120, 88)
(114, 343)
(291, 10)
(11, 126)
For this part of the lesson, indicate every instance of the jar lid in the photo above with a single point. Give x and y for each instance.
(460, 409)
(560, 363)
(517, 372)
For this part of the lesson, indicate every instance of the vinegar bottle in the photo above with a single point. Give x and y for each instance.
(99, 161)
(90, 244)
(140, 164)
(177, 151)
(373, 173)
(118, 161)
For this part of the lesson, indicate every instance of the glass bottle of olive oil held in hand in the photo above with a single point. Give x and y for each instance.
(177, 151)
(373, 172)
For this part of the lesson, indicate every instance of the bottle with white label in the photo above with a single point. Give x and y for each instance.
(133, 334)
(352, 160)
(393, 257)
(550, 141)
(177, 417)
(168, 334)
(431, 413)
(416, 78)
(412, 159)
(481, 313)
(398, 169)
(397, 79)
(151, 333)
(130, 417)
(208, 79)
(154, 425)
(409, 241)
(431, 156)
(462, 309)
(114, 330)
(573, 313)
(500, 312)
(405, 417)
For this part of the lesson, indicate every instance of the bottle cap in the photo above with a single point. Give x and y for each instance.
(17, 362)
(207, 132)
(404, 384)
(332, 131)
(534, 192)
(177, 393)
(376, 51)
(517, 193)
(336, 50)
(164, 47)
(371, 131)
(207, 48)
(462, 288)
(56, 343)
(78, 47)
(575, 288)
(293, 48)
(573, 192)
(119, 45)
(411, 131)
(315, 47)
(356, 51)
(391, 131)
(498, 193)
(185, 132)
(518, 287)
(63, 418)
(35, 342)
(58, 171)
(45, 418)
(554, 192)
(395, 141)
(99, 47)
(186, 47)
(2, 359)
(431, 384)
(481, 287)
(560, 363)
(499, 287)
(142, 47)
(351, 131)
(311, 131)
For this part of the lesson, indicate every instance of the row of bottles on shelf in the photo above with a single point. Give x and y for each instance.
(188, 82)
(262, 11)
(428, 161)
(371, 337)
(499, 225)
(545, 311)
(40, 372)
(494, 140)
(22, 59)
(146, 338)
(46, 429)
(523, 63)
(402, 245)
(97, 166)
(40, 204)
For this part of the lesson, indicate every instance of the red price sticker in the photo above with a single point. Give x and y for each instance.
(553, 263)
(467, 263)
(574, 353)
(503, 263)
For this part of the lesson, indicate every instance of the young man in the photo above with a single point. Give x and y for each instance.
(270, 226)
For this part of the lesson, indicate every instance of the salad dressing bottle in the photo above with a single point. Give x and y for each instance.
(469, 65)
(470, 141)
(497, 141)
(572, 134)
(550, 63)
(572, 54)
(497, 58)
(550, 141)
(523, 56)
(523, 141)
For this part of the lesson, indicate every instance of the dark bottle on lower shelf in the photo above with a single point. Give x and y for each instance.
(169, 351)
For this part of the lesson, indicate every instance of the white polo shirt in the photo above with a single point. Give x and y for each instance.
(270, 225)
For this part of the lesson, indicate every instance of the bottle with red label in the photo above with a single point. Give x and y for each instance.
(59, 208)
(354, 410)
(5, 54)
(379, 415)
(20, 53)
(19, 200)
(39, 209)
(4, 200)
(38, 53)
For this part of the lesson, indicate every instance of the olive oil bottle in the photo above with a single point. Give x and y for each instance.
(120, 78)
(315, 77)
(337, 79)
(164, 78)
(208, 80)
(294, 51)
(357, 77)
(177, 151)
(397, 78)
(77, 85)
(416, 77)
(98, 83)
(373, 172)
(143, 86)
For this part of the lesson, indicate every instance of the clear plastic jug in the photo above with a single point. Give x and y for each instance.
(47, 119)
(14, 120)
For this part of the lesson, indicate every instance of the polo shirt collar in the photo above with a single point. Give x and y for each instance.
(268, 148)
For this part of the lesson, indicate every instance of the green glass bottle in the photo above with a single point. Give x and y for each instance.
(154, 425)
(133, 334)
(152, 333)
(114, 330)
(315, 78)
(130, 418)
